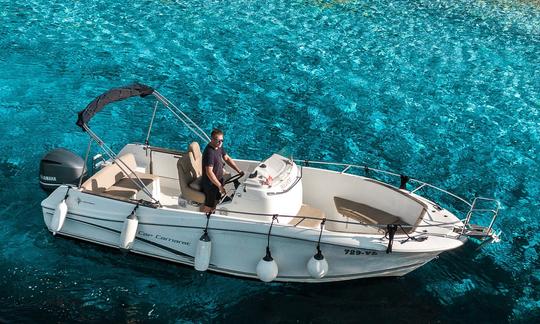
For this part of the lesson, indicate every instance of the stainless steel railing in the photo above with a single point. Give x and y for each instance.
(468, 229)
(481, 231)
(421, 184)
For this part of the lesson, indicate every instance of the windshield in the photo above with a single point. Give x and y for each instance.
(286, 152)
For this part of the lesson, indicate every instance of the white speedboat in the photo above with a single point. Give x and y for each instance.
(285, 220)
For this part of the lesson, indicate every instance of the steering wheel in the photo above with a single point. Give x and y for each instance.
(234, 177)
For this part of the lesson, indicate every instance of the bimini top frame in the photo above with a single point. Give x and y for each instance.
(118, 94)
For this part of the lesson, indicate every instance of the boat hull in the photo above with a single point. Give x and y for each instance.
(237, 245)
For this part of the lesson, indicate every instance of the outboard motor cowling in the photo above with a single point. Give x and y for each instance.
(59, 167)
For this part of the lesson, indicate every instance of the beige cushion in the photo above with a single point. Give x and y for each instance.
(368, 215)
(363, 213)
(112, 181)
(126, 188)
(121, 192)
(195, 159)
(128, 183)
(189, 169)
(109, 175)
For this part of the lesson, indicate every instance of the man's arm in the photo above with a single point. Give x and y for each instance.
(213, 178)
(231, 163)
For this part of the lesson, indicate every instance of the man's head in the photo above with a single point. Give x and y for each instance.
(217, 137)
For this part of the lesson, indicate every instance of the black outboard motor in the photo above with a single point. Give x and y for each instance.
(59, 167)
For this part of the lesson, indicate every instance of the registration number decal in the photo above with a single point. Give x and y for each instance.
(359, 252)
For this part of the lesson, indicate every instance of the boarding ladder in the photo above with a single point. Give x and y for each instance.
(481, 205)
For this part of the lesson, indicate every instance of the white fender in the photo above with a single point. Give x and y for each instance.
(59, 217)
(317, 266)
(203, 253)
(267, 269)
(127, 236)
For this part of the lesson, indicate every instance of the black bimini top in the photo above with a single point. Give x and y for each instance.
(112, 95)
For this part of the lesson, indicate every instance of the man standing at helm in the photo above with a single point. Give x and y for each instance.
(212, 164)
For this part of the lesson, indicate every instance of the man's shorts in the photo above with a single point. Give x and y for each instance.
(212, 195)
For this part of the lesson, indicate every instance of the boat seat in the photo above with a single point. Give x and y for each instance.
(308, 211)
(363, 213)
(368, 215)
(190, 172)
(125, 188)
(111, 180)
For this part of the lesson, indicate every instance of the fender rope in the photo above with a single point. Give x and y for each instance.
(268, 256)
(391, 231)
(67, 193)
(207, 222)
(319, 256)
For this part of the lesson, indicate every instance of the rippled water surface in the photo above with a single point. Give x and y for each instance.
(446, 91)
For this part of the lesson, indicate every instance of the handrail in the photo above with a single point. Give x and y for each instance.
(422, 184)
(443, 191)
(349, 166)
(228, 211)
(418, 188)
(495, 213)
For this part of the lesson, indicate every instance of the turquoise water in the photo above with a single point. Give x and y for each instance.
(445, 91)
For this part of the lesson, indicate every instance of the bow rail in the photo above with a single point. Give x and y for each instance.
(366, 169)
(468, 229)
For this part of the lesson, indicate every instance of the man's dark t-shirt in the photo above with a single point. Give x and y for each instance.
(212, 157)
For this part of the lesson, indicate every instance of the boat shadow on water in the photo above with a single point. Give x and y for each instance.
(441, 290)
